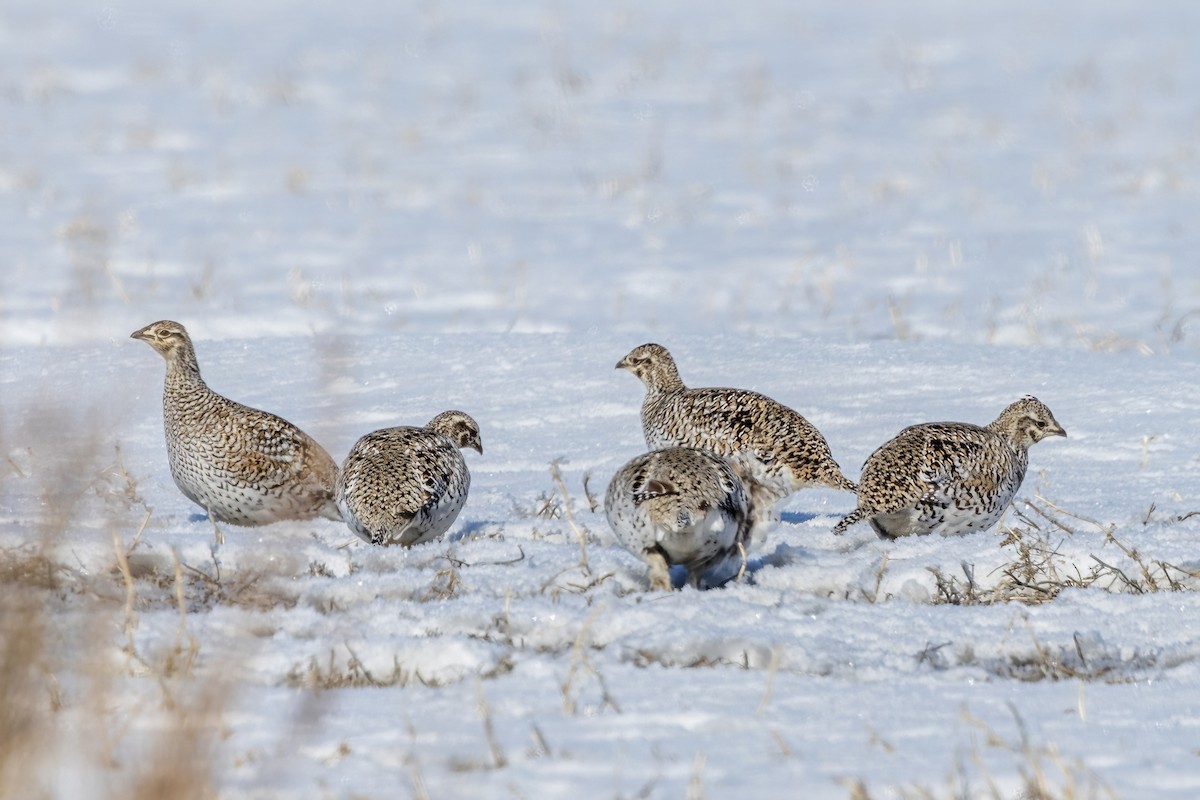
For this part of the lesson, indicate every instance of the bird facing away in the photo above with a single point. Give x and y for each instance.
(406, 485)
(241, 465)
(950, 477)
(775, 450)
(680, 506)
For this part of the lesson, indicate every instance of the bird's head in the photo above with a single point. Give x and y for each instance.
(459, 428)
(653, 365)
(165, 336)
(1028, 421)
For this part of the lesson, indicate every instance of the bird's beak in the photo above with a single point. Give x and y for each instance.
(1057, 430)
(140, 333)
(478, 445)
(623, 364)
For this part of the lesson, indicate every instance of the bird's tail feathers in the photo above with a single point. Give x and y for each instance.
(857, 515)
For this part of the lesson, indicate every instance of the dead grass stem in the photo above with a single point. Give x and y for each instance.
(1040, 571)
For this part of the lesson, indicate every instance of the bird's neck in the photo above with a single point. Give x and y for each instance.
(665, 380)
(183, 371)
(1006, 427)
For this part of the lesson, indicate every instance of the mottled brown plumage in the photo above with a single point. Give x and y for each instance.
(406, 485)
(775, 450)
(241, 465)
(680, 506)
(950, 477)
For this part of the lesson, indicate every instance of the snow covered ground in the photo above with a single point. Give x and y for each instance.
(878, 214)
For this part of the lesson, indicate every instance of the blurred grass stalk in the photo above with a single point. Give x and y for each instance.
(75, 720)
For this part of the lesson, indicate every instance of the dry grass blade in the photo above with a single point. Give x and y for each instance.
(499, 760)
(101, 726)
(695, 787)
(581, 535)
(23, 728)
(592, 500)
(1063, 512)
(446, 583)
(1040, 570)
(130, 592)
(182, 761)
(459, 563)
(581, 663)
(569, 514)
(772, 671)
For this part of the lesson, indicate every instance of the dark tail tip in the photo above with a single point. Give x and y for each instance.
(854, 516)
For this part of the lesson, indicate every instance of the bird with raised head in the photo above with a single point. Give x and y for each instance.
(776, 451)
(243, 466)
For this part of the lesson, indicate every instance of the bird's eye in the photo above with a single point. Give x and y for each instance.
(1040, 424)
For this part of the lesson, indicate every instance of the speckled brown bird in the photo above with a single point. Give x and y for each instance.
(406, 485)
(950, 477)
(241, 465)
(680, 506)
(775, 450)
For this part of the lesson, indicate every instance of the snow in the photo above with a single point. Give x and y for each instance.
(878, 215)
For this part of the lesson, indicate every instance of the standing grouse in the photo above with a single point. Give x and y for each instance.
(775, 450)
(241, 465)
